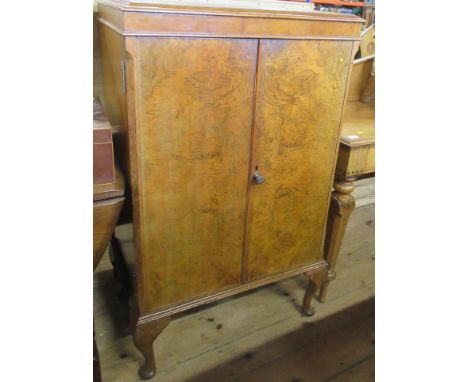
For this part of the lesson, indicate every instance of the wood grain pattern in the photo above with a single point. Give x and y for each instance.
(195, 102)
(193, 84)
(301, 90)
(133, 19)
(319, 266)
(210, 25)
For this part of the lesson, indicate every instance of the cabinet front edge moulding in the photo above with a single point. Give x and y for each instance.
(228, 24)
(230, 291)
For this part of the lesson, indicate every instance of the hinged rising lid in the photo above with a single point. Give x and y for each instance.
(222, 18)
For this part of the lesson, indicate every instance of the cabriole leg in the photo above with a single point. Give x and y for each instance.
(316, 279)
(143, 337)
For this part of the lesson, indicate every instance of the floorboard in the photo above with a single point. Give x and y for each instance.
(259, 335)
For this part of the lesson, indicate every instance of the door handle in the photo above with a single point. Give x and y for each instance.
(258, 178)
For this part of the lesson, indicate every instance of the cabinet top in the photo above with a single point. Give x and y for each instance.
(261, 8)
(226, 18)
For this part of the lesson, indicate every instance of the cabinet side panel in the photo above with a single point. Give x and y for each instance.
(195, 115)
(301, 88)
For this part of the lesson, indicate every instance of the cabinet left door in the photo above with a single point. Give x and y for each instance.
(194, 104)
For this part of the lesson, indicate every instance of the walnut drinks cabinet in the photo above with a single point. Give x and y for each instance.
(230, 121)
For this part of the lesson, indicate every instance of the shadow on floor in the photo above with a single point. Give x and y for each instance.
(114, 302)
(339, 347)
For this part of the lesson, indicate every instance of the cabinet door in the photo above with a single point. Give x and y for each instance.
(301, 88)
(195, 117)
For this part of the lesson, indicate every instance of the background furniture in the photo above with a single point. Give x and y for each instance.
(108, 184)
(356, 157)
(230, 121)
(108, 191)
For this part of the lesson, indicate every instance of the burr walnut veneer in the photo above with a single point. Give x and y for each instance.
(230, 121)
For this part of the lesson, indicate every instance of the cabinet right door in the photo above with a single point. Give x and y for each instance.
(301, 86)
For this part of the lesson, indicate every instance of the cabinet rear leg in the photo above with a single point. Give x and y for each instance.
(307, 308)
(316, 280)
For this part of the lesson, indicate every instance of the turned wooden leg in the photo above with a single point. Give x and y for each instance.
(342, 204)
(316, 279)
(144, 335)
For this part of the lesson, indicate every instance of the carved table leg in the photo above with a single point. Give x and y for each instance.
(342, 204)
(316, 279)
(144, 335)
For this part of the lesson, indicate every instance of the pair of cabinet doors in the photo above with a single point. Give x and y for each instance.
(211, 112)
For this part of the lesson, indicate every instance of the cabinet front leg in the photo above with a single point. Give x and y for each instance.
(143, 337)
(341, 206)
(316, 279)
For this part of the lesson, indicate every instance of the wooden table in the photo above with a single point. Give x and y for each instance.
(108, 191)
(355, 161)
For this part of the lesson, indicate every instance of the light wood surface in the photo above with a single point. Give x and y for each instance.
(275, 5)
(234, 26)
(367, 46)
(356, 157)
(133, 19)
(359, 76)
(300, 94)
(258, 335)
(208, 160)
(358, 120)
(195, 139)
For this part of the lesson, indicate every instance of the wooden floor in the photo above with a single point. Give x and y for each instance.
(259, 335)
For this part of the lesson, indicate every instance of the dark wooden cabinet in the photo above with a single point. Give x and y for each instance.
(231, 122)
